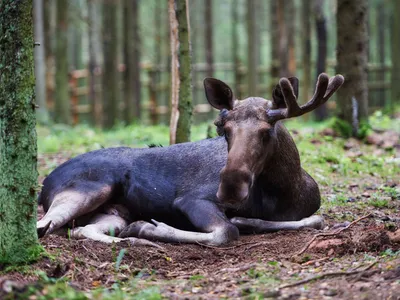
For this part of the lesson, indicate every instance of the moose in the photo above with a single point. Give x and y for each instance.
(248, 179)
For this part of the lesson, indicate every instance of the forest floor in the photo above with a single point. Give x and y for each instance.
(356, 256)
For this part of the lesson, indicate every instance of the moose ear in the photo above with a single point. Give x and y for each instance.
(218, 94)
(277, 96)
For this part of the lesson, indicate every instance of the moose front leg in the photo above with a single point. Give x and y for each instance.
(204, 215)
(259, 226)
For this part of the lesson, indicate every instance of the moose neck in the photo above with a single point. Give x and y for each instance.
(283, 165)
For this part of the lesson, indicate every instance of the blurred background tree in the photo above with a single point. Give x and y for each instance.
(108, 62)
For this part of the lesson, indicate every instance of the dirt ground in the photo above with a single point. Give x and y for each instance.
(358, 260)
(254, 266)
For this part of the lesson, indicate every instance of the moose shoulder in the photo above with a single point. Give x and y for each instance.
(249, 179)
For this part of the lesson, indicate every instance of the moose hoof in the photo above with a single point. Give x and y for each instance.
(142, 242)
(42, 228)
(315, 221)
(135, 229)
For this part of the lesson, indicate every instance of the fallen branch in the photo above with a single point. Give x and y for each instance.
(331, 233)
(237, 269)
(310, 262)
(234, 246)
(328, 274)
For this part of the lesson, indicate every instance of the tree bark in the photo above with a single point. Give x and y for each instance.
(282, 39)
(395, 47)
(94, 100)
(274, 42)
(381, 50)
(235, 48)
(62, 109)
(306, 53)
(181, 95)
(291, 29)
(137, 86)
(352, 62)
(18, 150)
(40, 64)
(49, 29)
(252, 45)
(321, 113)
(131, 58)
(208, 24)
(111, 89)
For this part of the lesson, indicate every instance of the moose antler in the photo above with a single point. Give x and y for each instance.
(323, 91)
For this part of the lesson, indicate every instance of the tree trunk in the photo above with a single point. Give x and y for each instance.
(18, 150)
(235, 48)
(274, 42)
(49, 29)
(321, 113)
(291, 29)
(40, 63)
(252, 75)
(110, 74)
(381, 50)
(132, 74)
(137, 86)
(282, 39)
(94, 100)
(306, 53)
(208, 24)
(62, 109)
(181, 95)
(352, 63)
(395, 86)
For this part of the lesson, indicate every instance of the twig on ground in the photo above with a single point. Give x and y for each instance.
(237, 269)
(331, 233)
(310, 262)
(234, 246)
(328, 274)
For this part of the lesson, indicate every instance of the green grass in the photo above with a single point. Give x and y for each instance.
(80, 139)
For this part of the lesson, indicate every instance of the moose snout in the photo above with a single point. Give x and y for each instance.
(234, 186)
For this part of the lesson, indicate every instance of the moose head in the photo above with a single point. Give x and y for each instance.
(250, 127)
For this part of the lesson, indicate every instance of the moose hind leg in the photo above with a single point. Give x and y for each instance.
(258, 226)
(70, 204)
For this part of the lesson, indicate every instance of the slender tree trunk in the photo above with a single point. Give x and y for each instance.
(395, 86)
(49, 29)
(95, 105)
(291, 30)
(235, 48)
(282, 39)
(129, 45)
(321, 112)
(110, 74)
(352, 62)
(381, 50)
(137, 86)
(62, 109)
(18, 150)
(181, 95)
(306, 53)
(208, 24)
(40, 63)
(274, 42)
(155, 74)
(252, 45)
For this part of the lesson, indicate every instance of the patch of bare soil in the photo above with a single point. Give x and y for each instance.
(265, 264)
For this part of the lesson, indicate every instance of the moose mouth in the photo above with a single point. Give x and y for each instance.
(234, 189)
